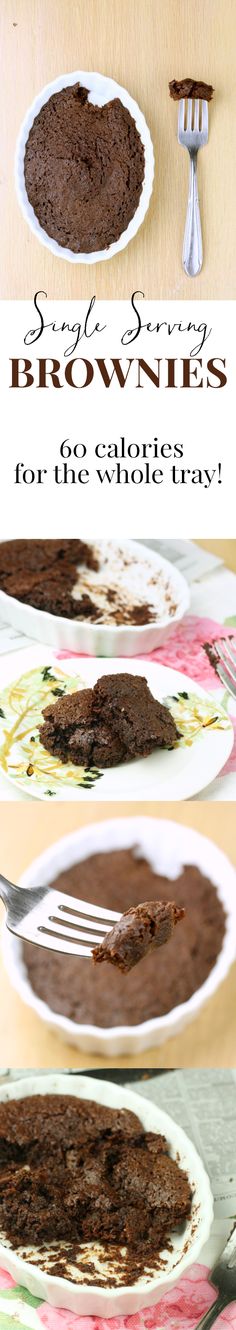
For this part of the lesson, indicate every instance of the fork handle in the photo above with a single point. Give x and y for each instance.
(211, 1316)
(192, 249)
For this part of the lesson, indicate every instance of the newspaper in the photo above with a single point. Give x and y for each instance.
(204, 1104)
(192, 561)
(12, 640)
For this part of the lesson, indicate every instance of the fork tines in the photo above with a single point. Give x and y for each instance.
(224, 651)
(193, 117)
(226, 646)
(67, 924)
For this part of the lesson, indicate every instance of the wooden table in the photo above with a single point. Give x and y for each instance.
(142, 44)
(225, 549)
(24, 1041)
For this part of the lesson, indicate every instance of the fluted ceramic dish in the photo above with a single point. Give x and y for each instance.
(167, 846)
(145, 572)
(90, 1299)
(101, 90)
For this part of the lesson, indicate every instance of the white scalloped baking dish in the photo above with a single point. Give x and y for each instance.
(167, 845)
(102, 89)
(94, 639)
(186, 1244)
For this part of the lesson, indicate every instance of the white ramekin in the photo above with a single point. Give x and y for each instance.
(186, 1246)
(167, 845)
(93, 639)
(102, 90)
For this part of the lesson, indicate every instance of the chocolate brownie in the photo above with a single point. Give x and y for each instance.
(140, 928)
(134, 714)
(42, 573)
(40, 555)
(190, 88)
(21, 585)
(97, 994)
(70, 733)
(40, 590)
(96, 747)
(84, 169)
(51, 595)
(25, 556)
(73, 1171)
(57, 576)
(113, 722)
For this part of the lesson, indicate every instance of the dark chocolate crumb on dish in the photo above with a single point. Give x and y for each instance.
(42, 573)
(73, 1172)
(97, 994)
(190, 88)
(138, 615)
(114, 722)
(84, 170)
(140, 928)
(59, 578)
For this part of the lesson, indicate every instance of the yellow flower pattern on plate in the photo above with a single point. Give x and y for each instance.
(22, 756)
(192, 714)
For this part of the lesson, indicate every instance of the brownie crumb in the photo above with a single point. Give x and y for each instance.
(140, 928)
(74, 1172)
(190, 88)
(84, 169)
(139, 615)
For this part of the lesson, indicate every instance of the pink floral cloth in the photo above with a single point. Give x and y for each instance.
(6, 1280)
(180, 1309)
(185, 651)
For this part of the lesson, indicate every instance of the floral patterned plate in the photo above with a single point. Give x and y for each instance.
(39, 676)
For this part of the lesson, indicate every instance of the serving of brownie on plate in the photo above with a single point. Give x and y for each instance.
(115, 721)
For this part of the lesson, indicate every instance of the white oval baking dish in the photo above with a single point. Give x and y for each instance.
(94, 639)
(167, 845)
(102, 89)
(186, 1245)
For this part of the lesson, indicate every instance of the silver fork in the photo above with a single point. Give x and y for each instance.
(223, 654)
(193, 139)
(223, 1276)
(52, 920)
